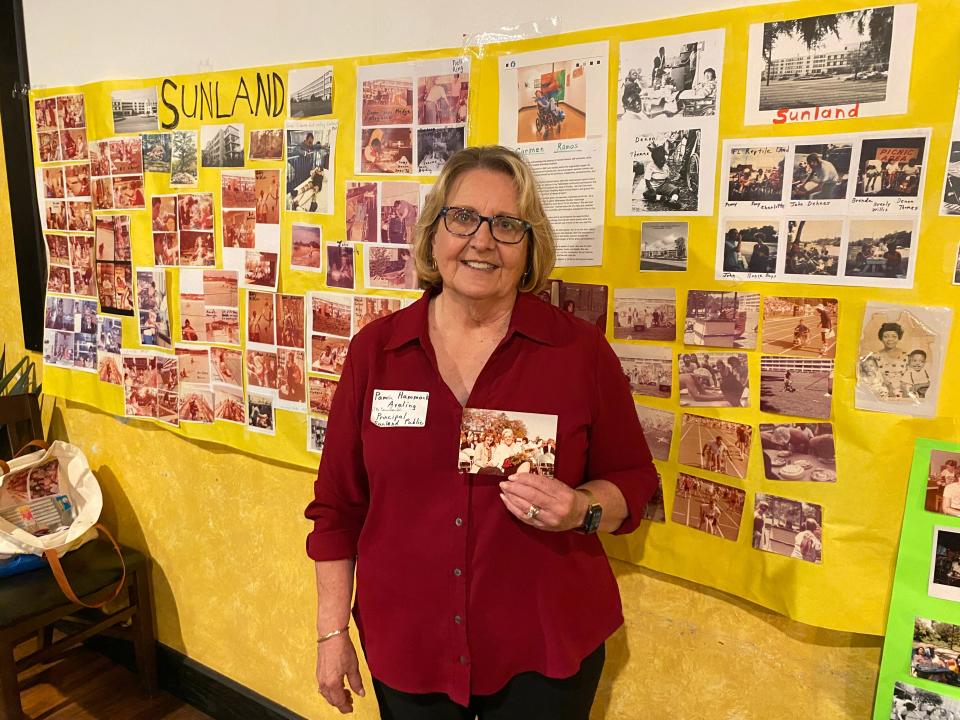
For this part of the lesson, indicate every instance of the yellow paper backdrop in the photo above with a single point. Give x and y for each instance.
(862, 511)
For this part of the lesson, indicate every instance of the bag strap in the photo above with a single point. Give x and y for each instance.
(42, 444)
(58, 574)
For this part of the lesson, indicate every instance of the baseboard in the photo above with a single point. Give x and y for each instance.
(196, 684)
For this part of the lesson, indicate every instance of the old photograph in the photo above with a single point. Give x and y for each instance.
(306, 246)
(755, 173)
(944, 580)
(891, 167)
(713, 379)
(157, 152)
(260, 269)
(266, 144)
(712, 507)
(386, 151)
(796, 386)
(134, 110)
(813, 247)
(584, 300)
(196, 403)
(183, 158)
(552, 102)
(649, 368)
(311, 91)
(750, 247)
(788, 527)
(222, 325)
(442, 99)
(663, 246)
(340, 266)
(226, 366)
(222, 145)
(943, 483)
(228, 403)
(645, 314)
(330, 314)
(399, 209)
(362, 219)
(666, 172)
(880, 249)
(322, 391)
(935, 650)
(798, 451)
(309, 170)
(821, 171)
(657, 430)
(194, 364)
(722, 319)
(504, 442)
(261, 366)
(268, 196)
(389, 267)
(800, 326)
(261, 318)
(316, 434)
(436, 145)
(260, 416)
(387, 101)
(367, 308)
(327, 354)
(290, 319)
(713, 444)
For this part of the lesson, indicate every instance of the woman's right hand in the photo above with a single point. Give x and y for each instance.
(337, 657)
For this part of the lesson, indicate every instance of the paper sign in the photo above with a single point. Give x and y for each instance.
(399, 408)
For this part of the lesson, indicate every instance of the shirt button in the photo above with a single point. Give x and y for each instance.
(458, 522)
(463, 659)
(457, 619)
(458, 572)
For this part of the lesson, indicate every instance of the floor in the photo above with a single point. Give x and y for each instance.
(85, 685)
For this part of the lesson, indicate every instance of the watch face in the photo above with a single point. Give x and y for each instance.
(591, 520)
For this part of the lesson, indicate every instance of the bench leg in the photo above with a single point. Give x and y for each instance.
(143, 640)
(10, 707)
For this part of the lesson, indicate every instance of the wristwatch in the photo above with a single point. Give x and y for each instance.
(591, 520)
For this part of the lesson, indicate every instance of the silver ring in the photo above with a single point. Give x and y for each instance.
(532, 512)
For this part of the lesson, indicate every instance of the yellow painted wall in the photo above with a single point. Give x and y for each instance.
(234, 589)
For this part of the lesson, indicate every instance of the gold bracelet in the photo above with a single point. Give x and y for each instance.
(324, 638)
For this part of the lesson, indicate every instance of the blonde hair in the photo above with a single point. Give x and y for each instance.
(541, 252)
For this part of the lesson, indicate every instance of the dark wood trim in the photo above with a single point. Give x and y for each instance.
(202, 687)
(21, 180)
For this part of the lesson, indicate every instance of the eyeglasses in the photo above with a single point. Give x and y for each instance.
(464, 222)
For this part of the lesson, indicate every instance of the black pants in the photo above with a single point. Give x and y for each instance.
(527, 696)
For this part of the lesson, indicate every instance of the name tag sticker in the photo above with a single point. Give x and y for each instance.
(399, 408)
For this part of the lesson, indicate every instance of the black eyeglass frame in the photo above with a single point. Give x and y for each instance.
(527, 227)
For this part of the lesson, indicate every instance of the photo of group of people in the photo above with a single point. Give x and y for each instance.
(82, 262)
(504, 442)
(934, 651)
(109, 343)
(151, 385)
(116, 168)
(944, 579)
(153, 308)
(708, 506)
(713, 379)
(720, 446)
(649, 368)
(800, 326)
(668, 100)
(412, 115)
(922, 704)
(70, 333)
(275, 352)
(901, 358)
(788, 527)
(209, 306)
(61, 126)
(645, 314)
(750, 248)
(316, 434)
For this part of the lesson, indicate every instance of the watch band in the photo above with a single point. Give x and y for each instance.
(591, 519)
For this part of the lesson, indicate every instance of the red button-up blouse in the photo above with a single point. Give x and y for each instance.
(454, 594)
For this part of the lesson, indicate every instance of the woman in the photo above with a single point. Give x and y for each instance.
(475, 590)
(891, 360)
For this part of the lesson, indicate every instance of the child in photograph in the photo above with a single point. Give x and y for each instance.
(657, 175)
(710, 516)
(871, 378)
(916, 379)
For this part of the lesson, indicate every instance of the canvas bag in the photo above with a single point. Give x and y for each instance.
(53, 488)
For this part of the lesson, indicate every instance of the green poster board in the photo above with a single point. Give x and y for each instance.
(920, 670)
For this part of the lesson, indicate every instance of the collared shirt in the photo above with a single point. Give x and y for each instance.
(454, 594)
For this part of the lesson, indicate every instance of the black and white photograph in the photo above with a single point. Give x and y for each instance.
(813, 247)
(719, 318)
(645, 314)
(911, 702)
(891, 167)
(935, 651)
(901, 358)
(657, 430)
(798, 452)
(654, 509)
(713, 379)
(134, 110)
(260, 412)
(435, 146)
(663, 246)
(504, 442)
(708, 506)
(944, 580)
(310, 163)
(716, 445)
(649, 368)
(316, 434)
(800, 326)
(830, 67)
(311, 91)
(820, 171)
(788, 527)
(796, 386)
(755, 173)
(666, 172)
(222, 145)
(880, 249)
(750, 247)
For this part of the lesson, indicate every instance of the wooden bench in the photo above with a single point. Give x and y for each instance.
(32, 602)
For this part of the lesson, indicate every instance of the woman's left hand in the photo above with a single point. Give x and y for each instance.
(558, 506)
